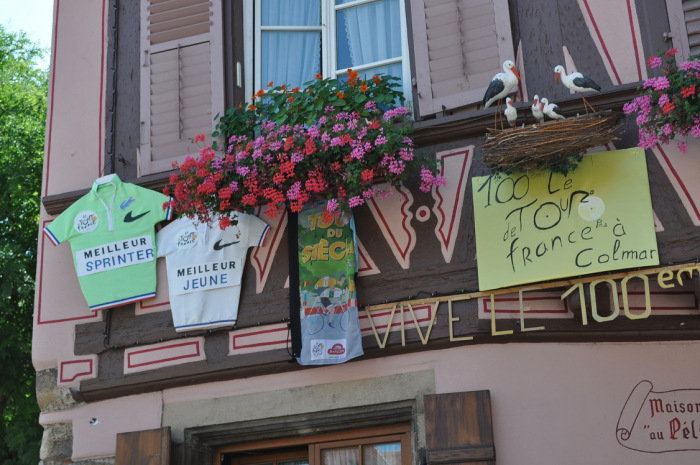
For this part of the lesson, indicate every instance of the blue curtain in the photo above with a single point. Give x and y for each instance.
(290, 57)
(369, 33)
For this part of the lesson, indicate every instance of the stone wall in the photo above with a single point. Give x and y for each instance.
(57, 441)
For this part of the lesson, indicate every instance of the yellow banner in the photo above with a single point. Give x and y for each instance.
(540, 225)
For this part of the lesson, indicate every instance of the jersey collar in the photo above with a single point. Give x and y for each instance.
(109, 179)
(114, 180)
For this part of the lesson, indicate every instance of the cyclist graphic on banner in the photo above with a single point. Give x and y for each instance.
(327, 265)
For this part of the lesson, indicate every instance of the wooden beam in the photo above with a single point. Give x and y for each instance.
(537, 286)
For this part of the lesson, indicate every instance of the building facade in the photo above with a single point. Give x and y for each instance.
(450, 374)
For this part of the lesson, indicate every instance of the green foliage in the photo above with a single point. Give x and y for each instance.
(304, 107)
(23, 90)
(329, 142)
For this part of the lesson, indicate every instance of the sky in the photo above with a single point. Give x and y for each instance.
(35, 17)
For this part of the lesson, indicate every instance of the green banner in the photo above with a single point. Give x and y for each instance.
(327, 265)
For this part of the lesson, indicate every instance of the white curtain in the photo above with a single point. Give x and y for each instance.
(372, 33)
(342, 456)
(290, 57)
(378, 454)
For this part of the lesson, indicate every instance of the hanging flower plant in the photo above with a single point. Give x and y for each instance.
(668, 106)
(334, 154)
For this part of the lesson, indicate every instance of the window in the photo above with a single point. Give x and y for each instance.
(386, 451)
(387, 445)
(458, 46)
(684, 20)
(181, 78)
(299, 39)
(278, 457)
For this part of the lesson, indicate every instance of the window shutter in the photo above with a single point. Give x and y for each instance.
(458, 428)
(458, 46)
(691, 12)
(150, 447)
(684, 21)
(181, 78)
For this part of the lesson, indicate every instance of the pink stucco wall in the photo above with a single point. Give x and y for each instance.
(552, 403)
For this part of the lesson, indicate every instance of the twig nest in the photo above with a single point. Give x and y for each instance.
(555, 145)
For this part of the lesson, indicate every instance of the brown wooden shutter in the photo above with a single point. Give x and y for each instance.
(691, 11)
(150, 447)
(182, 78)
(458, 45)
(458, 428)
(684, 21)
(177, 19)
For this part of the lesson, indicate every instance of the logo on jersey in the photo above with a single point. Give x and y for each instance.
(126, 203)
(129, 218)
(85, 221)
(337, 349)
(186, 239)
(218, 245)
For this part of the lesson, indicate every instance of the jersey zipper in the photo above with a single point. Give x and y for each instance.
(110, 221)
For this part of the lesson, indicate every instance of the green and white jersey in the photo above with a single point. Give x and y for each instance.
(205, 268)
(111, 232)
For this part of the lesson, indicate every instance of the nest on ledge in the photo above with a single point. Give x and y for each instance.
(555, 145)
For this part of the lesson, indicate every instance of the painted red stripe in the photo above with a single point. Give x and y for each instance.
(53, 86)
(529, 312)
(257, 344)
(602, 42)
(54, 52)
(680, 182)
(163, 304)
(170, 359)
(403, 252)
(262, 344)
(364, 260)
(446, 240)
(39, 320)
(397, 320)
(263, 266)
(634, 40)
(102, 83)
(486, 302)
(525, 299)
(89, 372)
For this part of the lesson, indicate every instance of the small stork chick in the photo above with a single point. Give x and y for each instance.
(577, 82)
(510, 112)
(537, 110)
(552, 110)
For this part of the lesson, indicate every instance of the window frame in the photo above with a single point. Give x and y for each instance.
(214, 37)
(316, 443)
(403, 438)
(273, 456)
(678, 29)
(428, 104)
(328, 29)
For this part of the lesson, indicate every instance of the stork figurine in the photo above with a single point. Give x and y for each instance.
(577, 82)
(537, 110)
(502, 85)
(510, 112)
(552, 110)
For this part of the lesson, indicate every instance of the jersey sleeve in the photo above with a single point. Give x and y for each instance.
(257, 231)
(164, 239)
(62, 228)
(160, 205)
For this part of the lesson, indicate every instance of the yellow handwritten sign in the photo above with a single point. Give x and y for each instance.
(540, 225)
